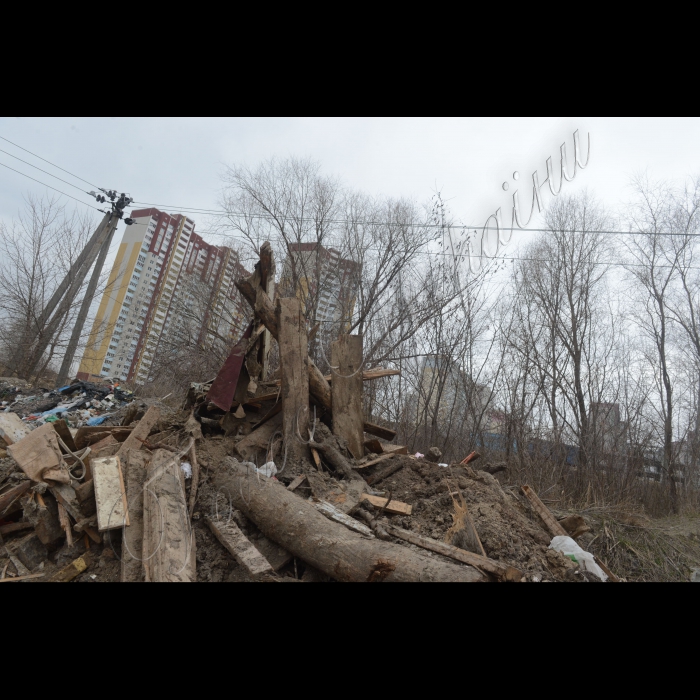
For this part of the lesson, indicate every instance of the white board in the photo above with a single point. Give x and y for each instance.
(110, 494)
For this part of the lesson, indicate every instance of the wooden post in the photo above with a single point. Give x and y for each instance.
(348, 422)
(294, 359)
(267, 282)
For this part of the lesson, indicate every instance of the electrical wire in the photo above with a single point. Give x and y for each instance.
(44, 171)
(65, 194)
(49, 162)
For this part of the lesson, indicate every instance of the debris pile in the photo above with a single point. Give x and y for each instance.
(261, 480)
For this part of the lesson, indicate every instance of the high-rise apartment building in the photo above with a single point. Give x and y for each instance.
(159, 260)
(322, 277)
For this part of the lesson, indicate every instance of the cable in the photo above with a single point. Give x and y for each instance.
(44, 171)
(51, 188)
(49, 162)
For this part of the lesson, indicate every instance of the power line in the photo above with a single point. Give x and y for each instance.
(49, 162)
(65, 194)
(46, 172)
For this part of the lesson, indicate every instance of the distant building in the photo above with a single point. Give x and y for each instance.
(159, 257)
(322, 277)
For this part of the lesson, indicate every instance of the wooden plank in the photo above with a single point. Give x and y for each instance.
(73, 570)
(169, 550)
(501, 571)
(15, 527)
(555, 529)
(297, 483)
(31, 577)
(12, 429)
(334, 514)
(395, 507)
(368, 376)
(132, 570)
(110, 494)
(240, 548)
(375, 462)
(141, 431)
(377, 431)
(63, 431)
(376, 447)
(348, 421)
(81, 437)
(294, 361)
(316, 457)
(7, 499)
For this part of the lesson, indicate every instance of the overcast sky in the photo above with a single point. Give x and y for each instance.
(178, 160)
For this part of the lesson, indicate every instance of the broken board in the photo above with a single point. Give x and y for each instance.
(12, 429)
(110, 494)
(394, 507)
(240, 548)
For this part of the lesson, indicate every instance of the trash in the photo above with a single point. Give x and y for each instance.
(186, 470)
(419, 456)
(269, 470)
(444, 466)
(99, 420)
(569, 548)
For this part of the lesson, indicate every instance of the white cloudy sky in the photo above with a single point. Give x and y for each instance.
(177, 160)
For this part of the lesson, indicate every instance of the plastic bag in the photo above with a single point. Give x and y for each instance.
(569, 548)
(269, 470)
(186, 470)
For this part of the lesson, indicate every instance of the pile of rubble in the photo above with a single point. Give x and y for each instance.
(267, 481)
(79, 404)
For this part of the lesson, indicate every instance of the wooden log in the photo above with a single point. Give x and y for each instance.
(375, 462)
(348, 421)
(394, 507)
(555, 529)
(294, 361)
(169, 545)
(501, 571)
(240, 548)
(259, 440)
(132, 570)
(327, 546)
(385, 473)
(141, 431)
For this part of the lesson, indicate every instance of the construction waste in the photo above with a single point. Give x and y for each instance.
(269, 480)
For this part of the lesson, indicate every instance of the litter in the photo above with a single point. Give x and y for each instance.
(569, 548)
(186, 470)
(269, 470)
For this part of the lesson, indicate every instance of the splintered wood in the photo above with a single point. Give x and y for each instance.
(239, 547)
(294, 358)
(393, 507)
(348, 421)
(110, 494)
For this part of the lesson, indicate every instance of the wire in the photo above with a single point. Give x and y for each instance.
(49, 187)
(43, 171)
(49, 162)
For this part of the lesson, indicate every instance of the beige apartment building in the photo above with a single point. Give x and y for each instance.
(159, 257)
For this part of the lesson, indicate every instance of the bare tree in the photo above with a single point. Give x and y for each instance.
(36, 251)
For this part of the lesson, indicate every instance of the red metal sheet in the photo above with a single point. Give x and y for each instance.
(224, 387)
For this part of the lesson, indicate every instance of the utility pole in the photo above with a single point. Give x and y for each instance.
(37, 338)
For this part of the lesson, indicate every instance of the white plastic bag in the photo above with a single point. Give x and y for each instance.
(186, 470)
(570, 549)
(269, 470)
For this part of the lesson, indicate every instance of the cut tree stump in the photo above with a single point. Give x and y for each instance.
(294, 360)
(240, 548)
(348, 421)
(331, 548)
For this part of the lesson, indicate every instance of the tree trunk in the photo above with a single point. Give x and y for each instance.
(327, 546)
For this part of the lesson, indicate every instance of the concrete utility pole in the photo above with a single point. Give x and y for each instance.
(85, 307)
(43, 330)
